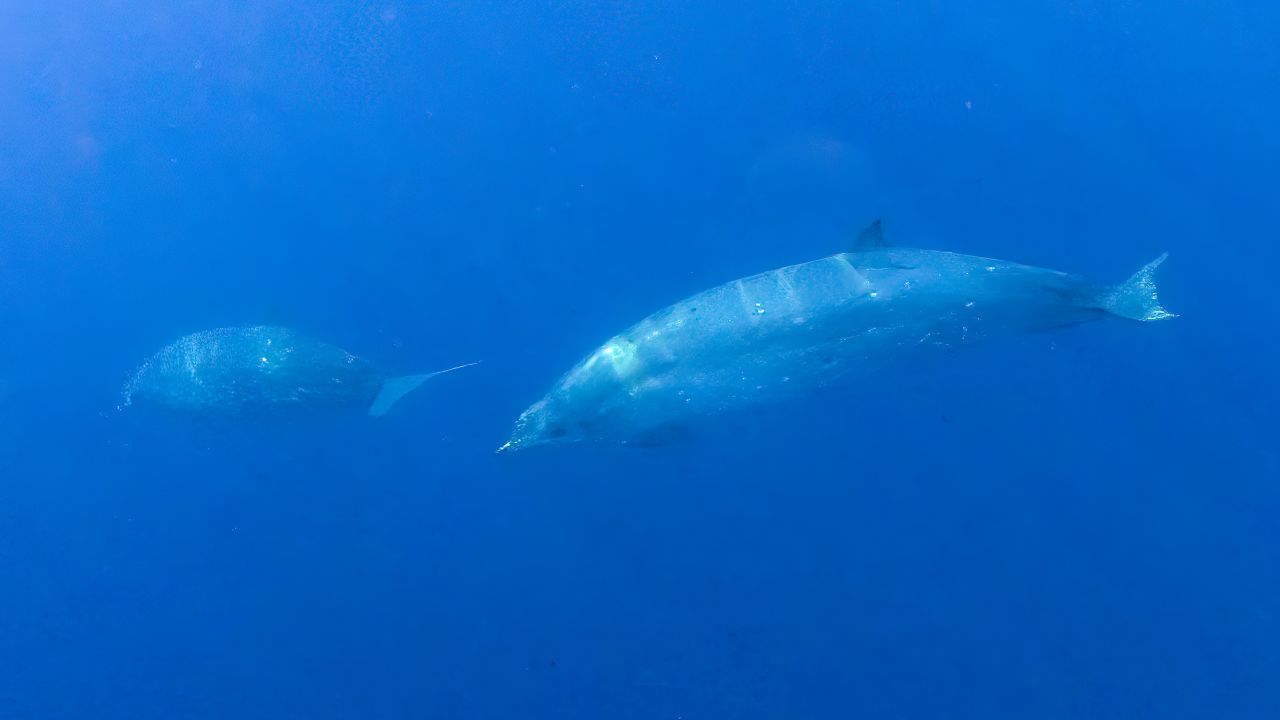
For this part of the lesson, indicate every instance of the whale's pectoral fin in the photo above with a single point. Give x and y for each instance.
(671, 434)
(395, 388)
(1136, 298)
(871, 238)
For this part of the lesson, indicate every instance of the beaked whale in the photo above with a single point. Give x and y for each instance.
(787, 332)
(263, 370)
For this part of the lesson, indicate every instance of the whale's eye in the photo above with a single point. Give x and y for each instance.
(557, 431)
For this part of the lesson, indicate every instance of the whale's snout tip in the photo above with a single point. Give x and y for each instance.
(506, 446)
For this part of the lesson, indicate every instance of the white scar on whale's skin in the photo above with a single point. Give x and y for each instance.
(786, 332)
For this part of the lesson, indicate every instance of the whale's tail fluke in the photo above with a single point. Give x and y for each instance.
(1136, 298)
(395, 388)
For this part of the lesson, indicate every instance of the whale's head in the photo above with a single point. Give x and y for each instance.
(546, 422)
(586, 404)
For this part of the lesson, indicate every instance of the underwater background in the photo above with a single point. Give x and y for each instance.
(1072, 525)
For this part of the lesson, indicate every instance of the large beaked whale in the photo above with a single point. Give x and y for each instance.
(789, 331)
(263, 370)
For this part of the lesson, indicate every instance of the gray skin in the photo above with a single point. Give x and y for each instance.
(252, 370)
(790, 331)
(264, 370)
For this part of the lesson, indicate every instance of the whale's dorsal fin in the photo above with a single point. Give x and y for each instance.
(871, 251)
(871, 238)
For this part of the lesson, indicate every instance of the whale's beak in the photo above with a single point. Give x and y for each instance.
(529, 429)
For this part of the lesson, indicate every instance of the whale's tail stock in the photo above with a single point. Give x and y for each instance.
(397, 387)
(1136, 298)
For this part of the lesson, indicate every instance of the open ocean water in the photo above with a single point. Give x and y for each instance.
(1080, 524)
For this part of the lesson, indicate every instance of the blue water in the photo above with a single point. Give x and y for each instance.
(1075, 525)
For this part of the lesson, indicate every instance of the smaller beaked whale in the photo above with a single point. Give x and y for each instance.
(264, 370)
(788, 332)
